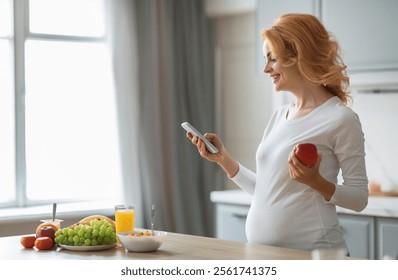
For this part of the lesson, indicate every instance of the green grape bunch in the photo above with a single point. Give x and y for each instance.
(98, 232)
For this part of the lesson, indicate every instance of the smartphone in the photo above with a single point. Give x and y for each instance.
(209, 146)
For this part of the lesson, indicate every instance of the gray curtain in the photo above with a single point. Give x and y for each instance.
(171, 81)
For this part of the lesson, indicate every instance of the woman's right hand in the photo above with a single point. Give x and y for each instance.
(214, 139)
(222, 158)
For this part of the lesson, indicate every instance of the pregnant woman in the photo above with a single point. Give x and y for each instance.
(294, 205)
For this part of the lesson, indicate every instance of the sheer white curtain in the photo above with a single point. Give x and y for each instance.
(164, 76)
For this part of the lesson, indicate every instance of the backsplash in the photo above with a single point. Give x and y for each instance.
(377, 108)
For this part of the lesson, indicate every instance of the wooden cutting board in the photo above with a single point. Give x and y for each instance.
(383, 193)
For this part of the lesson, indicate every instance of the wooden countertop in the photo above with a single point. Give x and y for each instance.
(175, 247)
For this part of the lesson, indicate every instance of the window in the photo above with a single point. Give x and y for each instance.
(7, 112)
(66, 144)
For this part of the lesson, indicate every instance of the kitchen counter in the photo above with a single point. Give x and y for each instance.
(175, 247)
(378, 206)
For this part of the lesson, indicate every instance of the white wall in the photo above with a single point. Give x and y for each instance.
(378, 113)
(244, 94)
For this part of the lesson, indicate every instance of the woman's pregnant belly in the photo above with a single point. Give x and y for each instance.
(302, 222)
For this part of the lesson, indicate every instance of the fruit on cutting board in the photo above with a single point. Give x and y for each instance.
(90, 231)
(87, 220)
(306, 153)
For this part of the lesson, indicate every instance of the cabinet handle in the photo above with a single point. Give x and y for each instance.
(239, 216)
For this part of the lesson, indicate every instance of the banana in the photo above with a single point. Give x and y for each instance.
(87, 220)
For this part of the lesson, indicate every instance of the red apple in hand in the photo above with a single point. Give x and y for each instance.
(306, 153)
(46, 232)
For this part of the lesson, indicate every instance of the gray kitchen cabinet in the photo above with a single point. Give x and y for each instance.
(365, 29)
(269, 10)
(231, 221)
(387, 241)
(359, 234)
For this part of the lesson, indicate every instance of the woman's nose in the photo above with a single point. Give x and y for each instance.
(267, 68)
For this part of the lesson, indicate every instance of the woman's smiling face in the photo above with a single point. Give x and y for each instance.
(284, 77)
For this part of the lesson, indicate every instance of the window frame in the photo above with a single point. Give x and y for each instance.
(9, 38)
(21, 34)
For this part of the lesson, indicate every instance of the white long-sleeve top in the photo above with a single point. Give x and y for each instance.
(287, 213)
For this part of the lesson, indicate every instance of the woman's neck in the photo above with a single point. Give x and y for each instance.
(307, 99)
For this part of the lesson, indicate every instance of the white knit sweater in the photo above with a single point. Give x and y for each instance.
(287, 213)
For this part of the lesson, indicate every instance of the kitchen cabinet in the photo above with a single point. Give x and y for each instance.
(370, 237)
(365, 29)
(359, 234)
(269, 10)
(231, 221)
(387, 242)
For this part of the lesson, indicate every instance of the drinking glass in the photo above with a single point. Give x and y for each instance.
(124, 217)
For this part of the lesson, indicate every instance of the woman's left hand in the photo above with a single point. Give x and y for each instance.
(302, 173)
(310, 176)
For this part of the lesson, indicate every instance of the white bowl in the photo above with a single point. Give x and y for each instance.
(141, 243)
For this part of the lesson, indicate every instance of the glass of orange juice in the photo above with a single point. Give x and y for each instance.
(124, 217)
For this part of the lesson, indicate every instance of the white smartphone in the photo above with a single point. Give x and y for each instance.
(209, 146)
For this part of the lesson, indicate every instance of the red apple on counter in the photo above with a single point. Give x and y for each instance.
(46, 232)
(306, 153)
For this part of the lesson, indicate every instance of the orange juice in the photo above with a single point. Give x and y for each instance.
(124, 218)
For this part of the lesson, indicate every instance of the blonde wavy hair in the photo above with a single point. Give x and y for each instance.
(303, 40)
